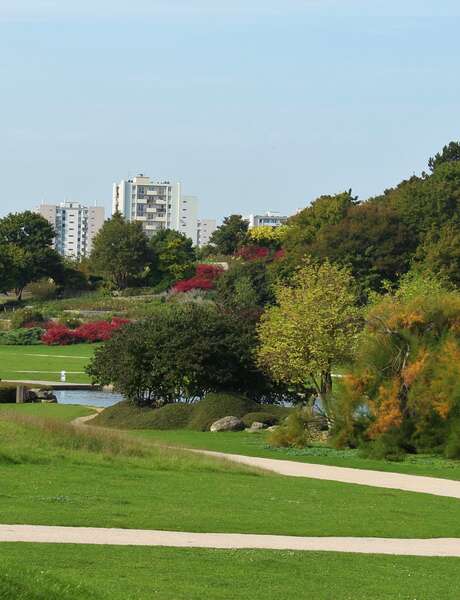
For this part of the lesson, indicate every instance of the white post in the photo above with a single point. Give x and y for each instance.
(63, 376)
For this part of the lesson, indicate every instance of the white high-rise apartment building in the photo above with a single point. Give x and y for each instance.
(270, 218)
(157, 205)
(205, 229)
(75, 225)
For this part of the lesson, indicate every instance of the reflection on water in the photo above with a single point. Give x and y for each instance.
(88, 398)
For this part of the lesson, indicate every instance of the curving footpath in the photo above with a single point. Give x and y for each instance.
(178, 539)
(381, 479)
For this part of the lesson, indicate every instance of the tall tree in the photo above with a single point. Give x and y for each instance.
(229, 236)
(450, 153)
(120, 251)
(439, 252)
(372, 240)
(311, 329)
(27, 239)
(173, 256)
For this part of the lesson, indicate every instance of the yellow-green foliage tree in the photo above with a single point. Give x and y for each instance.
(271, 237)
(312, 328)
(405, 385)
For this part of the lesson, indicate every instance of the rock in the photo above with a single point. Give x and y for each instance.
(256, 426)
(38, 395)
(51, 400)
(272, 428)
(227, 424)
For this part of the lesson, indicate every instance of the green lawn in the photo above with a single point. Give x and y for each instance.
(61, 412)
(255, 444)
(55, 477)
(45, 363)
(68, 572)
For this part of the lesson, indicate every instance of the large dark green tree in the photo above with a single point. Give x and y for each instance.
(26, 241)
(229, 236)
(371, 240)
(439, 253)
(181, 353)
(120, 251)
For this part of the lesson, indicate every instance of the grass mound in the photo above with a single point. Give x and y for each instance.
(215, 406)
(199, 416)
(126, 415)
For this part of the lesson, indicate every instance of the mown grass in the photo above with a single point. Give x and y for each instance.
(55, 474)
(61, 412)
(255, 444)
(45, 363)
(69, 572)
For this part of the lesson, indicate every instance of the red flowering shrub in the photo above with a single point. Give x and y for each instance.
(252, 252)
(60, 335)
(279, 254)
(97, 331)
(204, 278)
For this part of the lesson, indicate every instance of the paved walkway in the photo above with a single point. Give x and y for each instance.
(178, 539)
(382, 479)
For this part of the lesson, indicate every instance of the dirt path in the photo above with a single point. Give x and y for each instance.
(382, 479)
(178, 539)
(84, 420)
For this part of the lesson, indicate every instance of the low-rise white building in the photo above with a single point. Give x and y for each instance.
(75, 225)
(270, 218)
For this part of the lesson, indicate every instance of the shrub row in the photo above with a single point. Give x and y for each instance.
(97, 331)
(22, 337)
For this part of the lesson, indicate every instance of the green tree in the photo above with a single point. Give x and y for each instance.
(439, 252)
(305, 226)
(173, 256)
(229, 236)
(26, 238)
(450, 153)
(372, 240)
(244, 286)
(312, 328)
(181, 353)
(120, 251)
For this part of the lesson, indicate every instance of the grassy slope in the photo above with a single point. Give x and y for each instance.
(48, 361)
(61, 412)
(57, 572)
(49, 478)
(255, 444)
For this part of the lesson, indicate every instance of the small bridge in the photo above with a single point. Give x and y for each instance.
(23, 385)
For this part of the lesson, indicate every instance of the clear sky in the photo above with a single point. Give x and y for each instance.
(251, 104)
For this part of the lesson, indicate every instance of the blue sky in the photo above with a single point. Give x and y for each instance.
(252, 104)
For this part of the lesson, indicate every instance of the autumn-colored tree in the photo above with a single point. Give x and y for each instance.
(312, 328)
(404, 387)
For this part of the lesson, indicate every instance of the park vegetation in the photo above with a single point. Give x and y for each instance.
(350, 312)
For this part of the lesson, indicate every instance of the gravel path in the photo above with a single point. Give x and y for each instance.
(178, 539)
(382, 479)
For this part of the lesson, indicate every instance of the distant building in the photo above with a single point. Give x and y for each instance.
(205, 229)
(75, 225)
(157, 205)
(272, 219)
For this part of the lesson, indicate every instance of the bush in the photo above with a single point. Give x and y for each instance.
(260, 417)
(293, 432)
(205, 276)
(386, 447)
(126, 415)
(7, 394)
(22, 337)
(215, 406)
(43, 289)
(452, 448)
(96, 331)
(60, 335)
(26, 315)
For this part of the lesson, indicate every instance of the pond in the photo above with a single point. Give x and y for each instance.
(88, 398)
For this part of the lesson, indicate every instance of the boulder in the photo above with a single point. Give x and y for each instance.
(256, 426)
(272, 428)
(227, 424)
